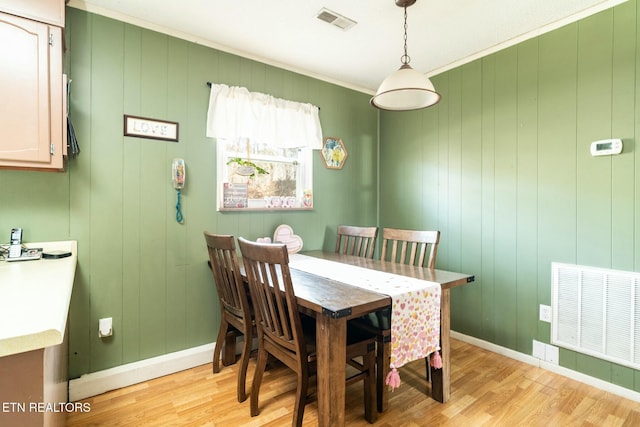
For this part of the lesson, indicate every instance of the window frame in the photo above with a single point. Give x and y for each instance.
(304, 179)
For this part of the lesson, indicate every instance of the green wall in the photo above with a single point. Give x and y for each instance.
(136, 264)
(501, 166)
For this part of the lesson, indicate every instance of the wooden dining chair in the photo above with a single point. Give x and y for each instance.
(358, 241)
(236, 313)
(412, 247)
(289, 336)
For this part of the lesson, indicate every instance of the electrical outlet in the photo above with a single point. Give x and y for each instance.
(539, 350)
(546, 352)
(552, 354)
(105, 327)
(545, 313)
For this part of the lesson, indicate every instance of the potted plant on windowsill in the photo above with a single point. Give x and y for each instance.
(246, 167)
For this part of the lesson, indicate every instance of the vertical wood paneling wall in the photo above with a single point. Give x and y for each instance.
(136, 263)
(502, 168)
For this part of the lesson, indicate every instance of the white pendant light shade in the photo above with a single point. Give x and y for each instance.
(405, 90)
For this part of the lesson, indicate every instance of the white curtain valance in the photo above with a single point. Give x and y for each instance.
(234, 112)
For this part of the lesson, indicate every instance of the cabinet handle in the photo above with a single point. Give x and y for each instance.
(50, 39)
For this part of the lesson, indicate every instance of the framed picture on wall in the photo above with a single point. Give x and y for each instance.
(142, 127)
(334, 153)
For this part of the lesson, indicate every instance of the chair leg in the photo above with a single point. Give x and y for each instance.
(229, 355)
(428, 370)
(261, 364)
(369, 361)
(301, 396)
(222, 333)
(244, 363)
(383, 359)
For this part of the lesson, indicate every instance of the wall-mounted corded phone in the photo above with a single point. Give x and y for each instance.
(178, 176)
(15, 246)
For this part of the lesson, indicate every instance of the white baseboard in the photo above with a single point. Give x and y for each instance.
(132, 373)
(574, 375)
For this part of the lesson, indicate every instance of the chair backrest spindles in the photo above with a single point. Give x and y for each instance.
(410, 246)
(226, 274)
(274, 302)
(358, 241)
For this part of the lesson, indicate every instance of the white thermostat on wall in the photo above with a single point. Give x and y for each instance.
(606, 147)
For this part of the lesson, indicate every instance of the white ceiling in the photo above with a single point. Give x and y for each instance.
(442, 34)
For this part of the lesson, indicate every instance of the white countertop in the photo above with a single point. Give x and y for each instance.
(35, 298)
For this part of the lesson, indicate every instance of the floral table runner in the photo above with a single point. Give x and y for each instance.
(415, 318)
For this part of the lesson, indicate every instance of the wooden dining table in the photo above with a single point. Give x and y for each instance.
(333, 303)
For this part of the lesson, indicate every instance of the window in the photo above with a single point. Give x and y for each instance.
(264, 149)
(262, 176)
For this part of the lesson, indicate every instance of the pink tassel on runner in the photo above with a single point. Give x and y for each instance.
(393, 379)
(436, 360)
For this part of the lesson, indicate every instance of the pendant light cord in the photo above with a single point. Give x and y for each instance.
(405, 59)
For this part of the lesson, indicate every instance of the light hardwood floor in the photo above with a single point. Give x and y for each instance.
(487, 390)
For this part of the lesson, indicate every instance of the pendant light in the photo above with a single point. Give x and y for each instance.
(405, 89)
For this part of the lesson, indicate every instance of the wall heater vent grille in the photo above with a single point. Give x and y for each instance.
(597, 312)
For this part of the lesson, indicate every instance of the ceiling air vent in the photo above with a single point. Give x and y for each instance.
(335, 19)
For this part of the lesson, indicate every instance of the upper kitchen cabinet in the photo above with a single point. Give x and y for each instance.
(32, 112)
(47, 11)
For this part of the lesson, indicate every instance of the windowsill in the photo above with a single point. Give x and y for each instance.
(280, 210)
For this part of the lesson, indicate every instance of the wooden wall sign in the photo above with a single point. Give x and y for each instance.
(142, 127)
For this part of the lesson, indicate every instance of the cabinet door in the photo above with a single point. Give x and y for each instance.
(28, 89)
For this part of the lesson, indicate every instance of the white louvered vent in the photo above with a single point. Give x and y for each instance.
(336, 19)
(597, 312)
